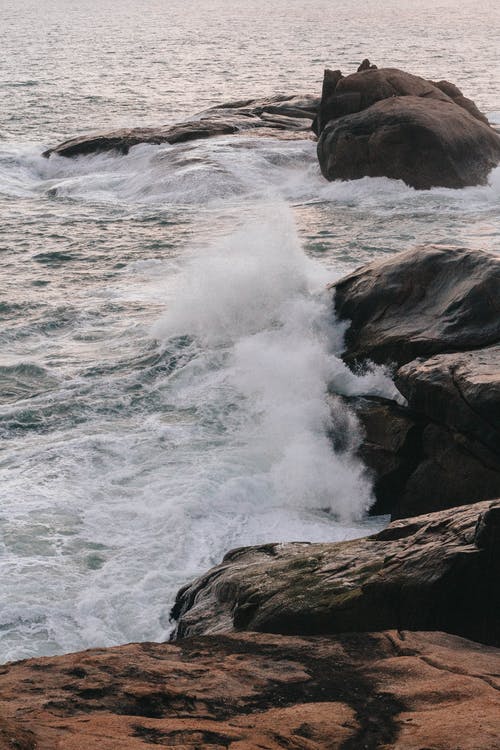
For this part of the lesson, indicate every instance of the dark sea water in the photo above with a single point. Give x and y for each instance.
(165, 340)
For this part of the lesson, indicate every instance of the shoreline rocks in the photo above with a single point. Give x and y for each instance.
(433, 572)
(424, 301)
(433, 315)
(392, 690)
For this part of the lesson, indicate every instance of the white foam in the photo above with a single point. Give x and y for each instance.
(224, 169)
(260, 300)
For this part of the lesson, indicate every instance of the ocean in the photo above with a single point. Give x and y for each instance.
(168, 355)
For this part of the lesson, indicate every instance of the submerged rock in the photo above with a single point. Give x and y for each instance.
(436, 571)
(390, 690)
(389, 123)
(283, 116)
(422, 302)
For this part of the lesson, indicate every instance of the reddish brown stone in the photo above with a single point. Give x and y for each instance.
(385, 691)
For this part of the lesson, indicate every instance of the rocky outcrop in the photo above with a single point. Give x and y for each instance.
(437, 571)
(279, 116)
(461, 390)
(443, 448)
(391, 690)
(422, 302)
(389, 123)
(391, 449)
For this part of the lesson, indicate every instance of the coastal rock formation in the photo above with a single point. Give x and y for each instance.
(436, 571)
(391, 690)
(443, 449)
(388, 123)
(279, 116)
(461, 390)
(421, 302)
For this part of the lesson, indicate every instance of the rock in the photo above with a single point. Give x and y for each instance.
(443, 450)
(358, 91)
(284, 116)
(424, 142)
(425, 573)
(456, 95)
(422, 302)
(460, 390)
(366, 65)
(391, 448)
(459, 452)
(389, 123)
(451, 471)
(391, 690)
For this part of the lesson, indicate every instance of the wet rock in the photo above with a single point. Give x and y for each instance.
(452, 470)
(424, 573)
(424, 142)
(240, 692)
(460, 390)
(389, 123)
(421, 302)
(391, 448)
(280, 116)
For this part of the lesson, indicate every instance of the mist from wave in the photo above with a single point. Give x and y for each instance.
(140, 475)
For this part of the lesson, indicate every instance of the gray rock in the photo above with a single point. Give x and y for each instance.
(437, 571)
(460, 390)
(451, 471)
(422, 302)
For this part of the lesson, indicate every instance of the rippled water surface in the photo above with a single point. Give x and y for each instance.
(166, 344)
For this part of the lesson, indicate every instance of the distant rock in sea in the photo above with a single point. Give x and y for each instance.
(389, 123)
(279, 116)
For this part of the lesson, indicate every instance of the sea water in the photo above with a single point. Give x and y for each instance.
(167, 343)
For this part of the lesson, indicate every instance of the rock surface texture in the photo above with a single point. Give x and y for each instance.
(279, 116)
(425, 301)
(433, 572)
(390, 691)
(388, 123)
(433, 313)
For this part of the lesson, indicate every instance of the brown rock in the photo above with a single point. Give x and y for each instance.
(391, 449)
(279, 115)
(454, 93)
(393, 690)
(430, 572)
(425, 142)
(422, 302)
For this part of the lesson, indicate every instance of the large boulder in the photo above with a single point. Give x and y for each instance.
(389, 123)
(279, 116)
(350, 94)
(422, 302)
(437, 571)
(443, 448)
(424, 142)
(392, 690)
